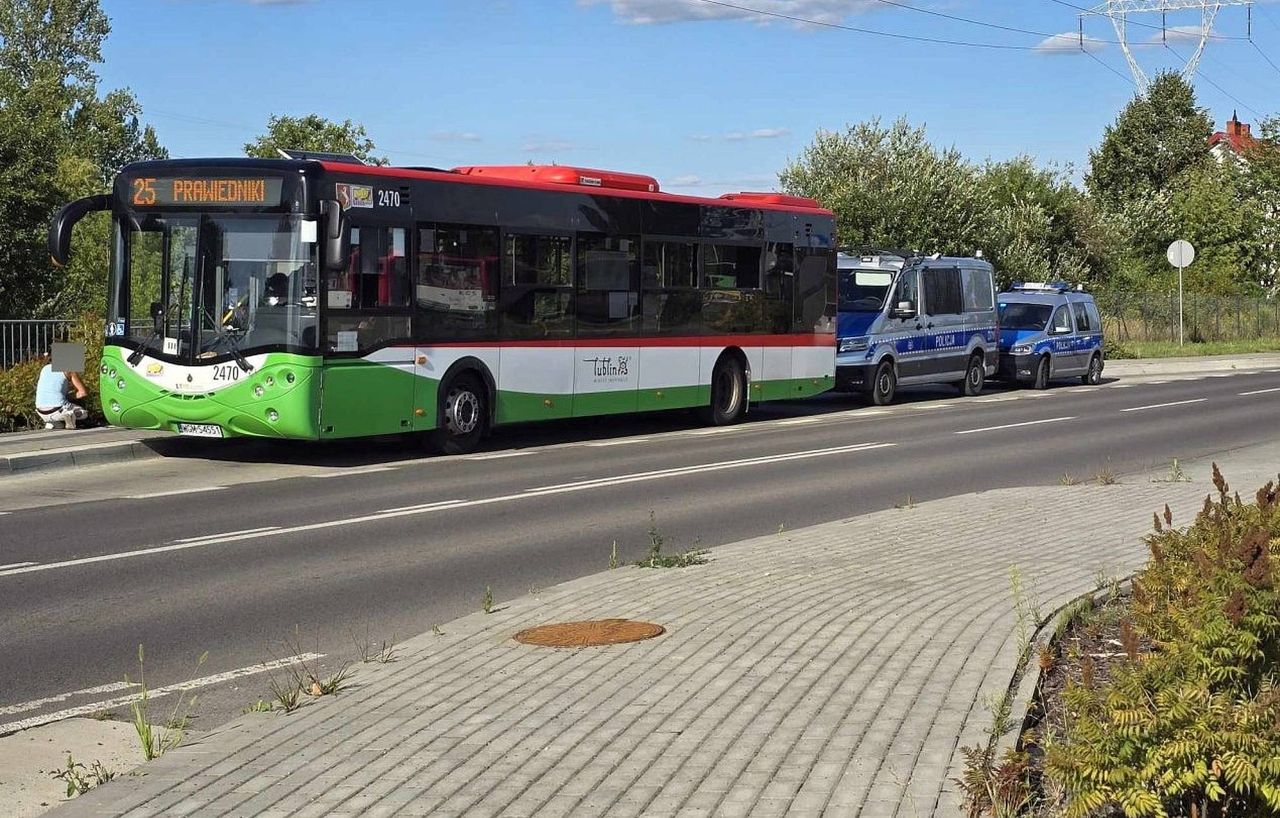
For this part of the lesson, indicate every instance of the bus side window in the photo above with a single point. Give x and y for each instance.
(455, 282)
(537, 293)
(608, 297)
(671, 304)
(779, 276)
(368, 302)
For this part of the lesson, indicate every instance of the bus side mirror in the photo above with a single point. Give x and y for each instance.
(60, 229)
(335, 236)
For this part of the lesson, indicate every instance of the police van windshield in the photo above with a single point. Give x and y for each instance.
(864, 290)
(1024, 316)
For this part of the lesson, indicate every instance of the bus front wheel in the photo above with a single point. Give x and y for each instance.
(728, 393)
(463, 416)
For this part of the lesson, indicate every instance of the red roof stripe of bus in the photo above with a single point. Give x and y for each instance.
(565, 175)
(469, 179)
(712, 341)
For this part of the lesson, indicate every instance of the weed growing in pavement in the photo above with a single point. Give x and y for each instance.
(613, 556)
(332, 684)
(486, 602)
(287, 694)
(303, 678)
(381, 652)
(1069, 479)
(80, 779)
(910, 502)
(1106, 476)
(153, 744)
(260, 706)
(1176, 474)
(436, 630)
(657, 559)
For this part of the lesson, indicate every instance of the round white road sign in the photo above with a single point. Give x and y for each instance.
(1181, 254)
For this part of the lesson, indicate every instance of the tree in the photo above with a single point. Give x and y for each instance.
(58, 140)
(1155, 139)
(313, 133)
(889, 187)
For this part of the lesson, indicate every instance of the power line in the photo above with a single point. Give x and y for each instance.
(959, 19)
(1127, 80)
(1264, 56)
(871, 31)
(1140, 24)
(1200, 73)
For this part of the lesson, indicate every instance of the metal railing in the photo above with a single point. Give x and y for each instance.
(22, 339)
(1128, 316)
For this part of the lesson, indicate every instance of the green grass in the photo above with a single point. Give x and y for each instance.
(1171, 349)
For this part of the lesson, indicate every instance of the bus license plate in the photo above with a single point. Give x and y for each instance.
(200, 429)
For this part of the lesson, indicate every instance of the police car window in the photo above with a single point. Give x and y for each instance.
(1082, 317)
(1024, 316)
(1062, 320)
(942, 294)
(1095, 320)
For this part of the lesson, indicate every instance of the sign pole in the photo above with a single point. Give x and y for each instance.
(1180, 255)
(1180, 269)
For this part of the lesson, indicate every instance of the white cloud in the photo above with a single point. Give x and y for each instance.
(735, 136)
(770, 133)
(1069, 43)
(702, 137)
(456, 136)
(548, 146)
(654, 12)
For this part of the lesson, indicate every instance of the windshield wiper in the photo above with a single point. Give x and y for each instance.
(135, 357)
(226, 337)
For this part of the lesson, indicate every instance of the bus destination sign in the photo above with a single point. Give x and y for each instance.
(151, 191)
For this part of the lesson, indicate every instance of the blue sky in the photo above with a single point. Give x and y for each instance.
(706, 97)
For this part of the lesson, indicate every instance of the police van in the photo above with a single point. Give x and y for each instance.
(1049, 331)
(914, 320)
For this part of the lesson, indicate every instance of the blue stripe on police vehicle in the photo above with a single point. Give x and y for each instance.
(1049, 331)
(908, 319)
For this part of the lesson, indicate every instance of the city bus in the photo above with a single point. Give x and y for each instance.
(315, 298)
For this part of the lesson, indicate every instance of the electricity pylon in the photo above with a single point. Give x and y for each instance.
(1118, 12)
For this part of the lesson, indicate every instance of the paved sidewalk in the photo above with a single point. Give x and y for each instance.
(43, 449)
(834, 670)
(1129, 367)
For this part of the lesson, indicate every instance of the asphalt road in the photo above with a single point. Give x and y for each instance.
(255, 552)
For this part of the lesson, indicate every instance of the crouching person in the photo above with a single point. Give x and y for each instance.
(56, 393)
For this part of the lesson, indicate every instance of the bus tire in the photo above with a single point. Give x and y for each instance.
(1042, 374)
(728, 393)
(975, 377)
(884, 386)
(1094, 376)
(463, 415)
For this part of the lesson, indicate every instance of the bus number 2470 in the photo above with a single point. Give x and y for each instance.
(226, 372)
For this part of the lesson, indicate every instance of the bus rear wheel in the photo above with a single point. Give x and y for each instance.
(463, 416)
(728, 393)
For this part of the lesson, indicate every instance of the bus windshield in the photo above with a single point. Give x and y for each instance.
(864, 290)
(1015, 315)
(204, 286)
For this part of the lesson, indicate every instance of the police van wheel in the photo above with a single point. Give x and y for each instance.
(975, 377)
(885, 385)
(1094, 376)
(1042, 374)
(463, 416)
(728, 393)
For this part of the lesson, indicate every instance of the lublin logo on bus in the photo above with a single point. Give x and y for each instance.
(607, 367)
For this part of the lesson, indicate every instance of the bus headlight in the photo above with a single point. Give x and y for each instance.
(853, 344)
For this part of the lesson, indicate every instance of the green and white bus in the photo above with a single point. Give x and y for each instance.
(319, 298)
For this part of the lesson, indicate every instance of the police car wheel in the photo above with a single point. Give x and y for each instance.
(1042, 374)
(1094, 376)
(885, 385)
(975, 377)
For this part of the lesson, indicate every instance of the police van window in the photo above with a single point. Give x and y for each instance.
(908, 289)
(977, 290)
(942, 294)
(1082, 317)
(1061, 320)
(1095, 320)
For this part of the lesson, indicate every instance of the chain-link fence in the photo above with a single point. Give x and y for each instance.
(1128, 316)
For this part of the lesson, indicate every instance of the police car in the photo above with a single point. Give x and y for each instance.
(1049, 331)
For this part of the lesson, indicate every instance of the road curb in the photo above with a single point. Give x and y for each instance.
(25, 463)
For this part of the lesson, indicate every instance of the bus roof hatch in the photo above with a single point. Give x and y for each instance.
(565, 175)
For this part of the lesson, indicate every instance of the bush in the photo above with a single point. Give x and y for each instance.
(1117, 350)
(1191, 727)
(18, 382)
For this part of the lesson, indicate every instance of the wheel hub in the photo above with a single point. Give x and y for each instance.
(462, 412)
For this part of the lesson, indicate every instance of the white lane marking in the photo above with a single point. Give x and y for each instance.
(717, 430)
(936, 405)
(1013, 425)
(2, 513)
(173, 492)
(1260, 391)
(192, 684)
(1163, 405)
(1155, 383)
(36, 704)
(623, 442)
(1273, 370)
(496, 455)
(227, 534)
(351, 472)
(1122, 385)
(14, 565)
(446, 505)
(800, 421)
(996, 399)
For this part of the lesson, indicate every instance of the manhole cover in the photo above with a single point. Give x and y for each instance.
(586, 634)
